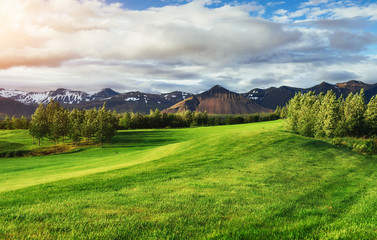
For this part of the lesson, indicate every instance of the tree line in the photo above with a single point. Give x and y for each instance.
(14, 123)
(325, 115)
(57, 123)
(184, 119)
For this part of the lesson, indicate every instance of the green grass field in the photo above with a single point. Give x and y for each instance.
(18, 141)
(250, 181)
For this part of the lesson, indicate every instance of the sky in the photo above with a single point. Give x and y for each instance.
(160, 46)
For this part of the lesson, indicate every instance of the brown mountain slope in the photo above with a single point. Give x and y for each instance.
(218, 100)
(11, 108)
(354, 86)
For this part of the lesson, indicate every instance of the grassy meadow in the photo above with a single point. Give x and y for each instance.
(249, 181)
(18, 142)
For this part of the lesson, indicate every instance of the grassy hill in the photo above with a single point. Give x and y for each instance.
(251, 181)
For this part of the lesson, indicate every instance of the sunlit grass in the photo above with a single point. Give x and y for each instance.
(251, 181)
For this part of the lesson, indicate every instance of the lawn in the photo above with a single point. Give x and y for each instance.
(18, 141)
(250, 181)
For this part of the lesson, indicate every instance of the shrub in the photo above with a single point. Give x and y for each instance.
(365, 146)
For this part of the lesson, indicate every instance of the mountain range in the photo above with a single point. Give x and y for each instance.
(216, 100)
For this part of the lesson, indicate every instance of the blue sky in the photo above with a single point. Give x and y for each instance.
(270, 6)
(166, 45)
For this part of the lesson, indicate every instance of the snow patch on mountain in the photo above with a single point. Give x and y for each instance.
(61, 95)
(132, 99)
(8, 93)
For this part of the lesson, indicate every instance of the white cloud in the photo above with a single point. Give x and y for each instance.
(314, 3)
(91, 44)
(49, 33)
(273, 4)
(281, 12)
(368, 11)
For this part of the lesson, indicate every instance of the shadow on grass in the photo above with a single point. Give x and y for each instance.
(143, 139)
(9, 149)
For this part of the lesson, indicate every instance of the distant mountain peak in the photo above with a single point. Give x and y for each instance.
(355, 82)
(324, 83)
(105, 92)
(352, 83)
(61, 89)
(354, 86)
(218, 89)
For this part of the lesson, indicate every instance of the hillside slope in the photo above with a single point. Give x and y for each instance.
(249, 181)
(11, 108)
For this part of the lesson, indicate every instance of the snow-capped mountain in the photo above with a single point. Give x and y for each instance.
(135, 101)
(104, 93)
(215, 100)
(61, 95)
(121, 102)
(6, 93)
(67, 96)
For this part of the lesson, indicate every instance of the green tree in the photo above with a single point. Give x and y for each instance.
(371, 116)
(89, 125)
(125, 121)
(106, 124)
(50, 113)
(292, 114)
(199, 119)
(328, 116)
(187, 117)
(8, 123)
(2, 124)
(167, 120)
(16, 123)
(154, 119)
(24, 122)
(307, 114)
(138, 121)
(75, 123)
(39, 124)
(354, 109)
(59, 128)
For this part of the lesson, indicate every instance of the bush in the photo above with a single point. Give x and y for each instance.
(365, 146)
(337, 141)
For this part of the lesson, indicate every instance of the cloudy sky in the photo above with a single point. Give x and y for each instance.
(166, 45)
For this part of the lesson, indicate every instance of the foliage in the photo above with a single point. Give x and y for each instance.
(368, 146)
(39, 126)
(75, 125)
(354, 109)
(185, 119)
(327, 116)
(306, 114)
(342, 120)
(106, 124)
(293, 112)
(56, 123)
(371, 117)
(359, 145)
(89, 126)
(14, 123)
(60, 123)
